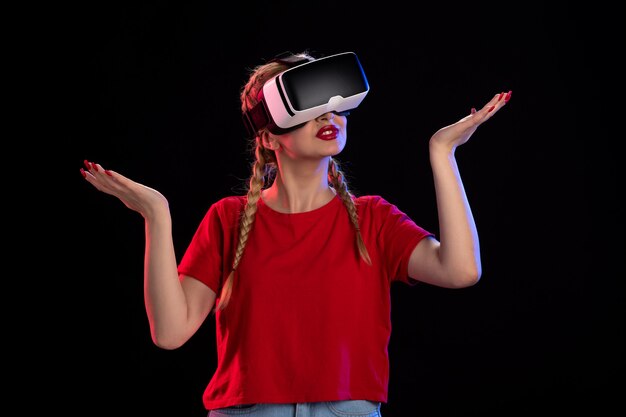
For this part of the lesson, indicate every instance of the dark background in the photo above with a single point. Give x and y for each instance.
(154, 93)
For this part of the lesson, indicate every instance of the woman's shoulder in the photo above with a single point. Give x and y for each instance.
(370, 200)
(375, 205)
(231, 201)
(229, 206)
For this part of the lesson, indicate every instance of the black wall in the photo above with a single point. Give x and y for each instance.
(155, 96)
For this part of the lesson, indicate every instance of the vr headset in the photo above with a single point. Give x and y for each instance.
(309, 89)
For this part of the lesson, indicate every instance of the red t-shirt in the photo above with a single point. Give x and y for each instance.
(308, 320)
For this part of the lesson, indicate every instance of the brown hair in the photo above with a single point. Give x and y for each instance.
(264, 170)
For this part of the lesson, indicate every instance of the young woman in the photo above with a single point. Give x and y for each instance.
(298, 271)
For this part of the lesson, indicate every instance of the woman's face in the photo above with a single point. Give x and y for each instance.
(321, 137)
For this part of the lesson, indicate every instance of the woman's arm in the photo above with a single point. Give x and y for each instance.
(176, 307)
(454, 260)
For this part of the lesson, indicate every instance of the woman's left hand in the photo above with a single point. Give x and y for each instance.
(458, 133)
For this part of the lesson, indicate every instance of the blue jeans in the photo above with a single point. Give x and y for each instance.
(346, 408)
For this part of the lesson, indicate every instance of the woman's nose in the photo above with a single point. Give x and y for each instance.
(327, 116)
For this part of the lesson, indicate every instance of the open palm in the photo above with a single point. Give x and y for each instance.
(458, 133)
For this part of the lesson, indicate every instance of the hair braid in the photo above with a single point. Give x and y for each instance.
(257, 182)
(336, 178)
(263, 169)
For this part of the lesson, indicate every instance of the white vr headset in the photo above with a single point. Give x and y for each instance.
(307, 90)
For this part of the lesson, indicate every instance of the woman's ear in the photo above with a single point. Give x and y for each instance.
(269, 141)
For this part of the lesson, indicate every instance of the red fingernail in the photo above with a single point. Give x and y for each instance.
(508, 96)
(82, 171)
(87, 165)
(492, 107)
(473, 110)
(106, 171)
(93, 164)
(501, 95)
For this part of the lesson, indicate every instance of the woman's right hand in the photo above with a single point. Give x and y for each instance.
(145, 200)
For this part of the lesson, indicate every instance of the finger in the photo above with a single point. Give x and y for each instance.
(88, 171)
(89, 176)
(99, 177)
(494, 101)
(99, 169)
(94, 169)
(495, 104)
(86, 174)
(503, 98)
(485, 112)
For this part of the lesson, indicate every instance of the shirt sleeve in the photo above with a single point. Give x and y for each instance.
(208, 253)
(398, 235)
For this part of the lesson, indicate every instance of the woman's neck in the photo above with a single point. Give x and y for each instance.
(299, 190)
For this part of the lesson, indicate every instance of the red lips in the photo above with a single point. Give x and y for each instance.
(327, 133)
